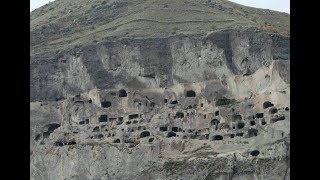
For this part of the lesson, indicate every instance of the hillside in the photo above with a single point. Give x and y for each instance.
(65, 24)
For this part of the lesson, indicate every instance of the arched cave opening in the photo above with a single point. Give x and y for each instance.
(96, 129)
(240, 125)
(144, 134)
(122, 93)
(214, 122)
(171, 134)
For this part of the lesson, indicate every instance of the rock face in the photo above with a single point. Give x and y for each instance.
(200, 106)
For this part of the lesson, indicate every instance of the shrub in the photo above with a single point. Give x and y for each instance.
(224, 101)
(174, 30)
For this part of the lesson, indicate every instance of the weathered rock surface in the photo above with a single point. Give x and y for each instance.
(208, 106)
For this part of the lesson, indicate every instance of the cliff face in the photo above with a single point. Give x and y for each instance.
(198, 106)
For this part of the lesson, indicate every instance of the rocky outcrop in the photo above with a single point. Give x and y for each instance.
(143, 103)
(186, 107)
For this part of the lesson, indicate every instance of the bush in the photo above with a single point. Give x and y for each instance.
(224, 101)
(174, 29)
(213, 27)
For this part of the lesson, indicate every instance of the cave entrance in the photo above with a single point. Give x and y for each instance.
(252, 133)
(217, 138)
(179, 115)
(240, 125)
(52, 127)
(105, 104)
(215, 122)
(163, 128)
(171, 134)
(144, 134)
(267, 104)
(175, 129)
(122, 93)
(259, 115)
(190, 94)
(133, 116)
(103, 118)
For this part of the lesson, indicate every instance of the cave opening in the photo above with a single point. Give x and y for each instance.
(116, 141)
(163, 128)
(216, 113)
(254, 153)
(217, 137)
(239, 134)
(58, 143)
(191, 93)
(96, 129)
(179, 114)
(103, 118)
(144, 134)
(52, 127)
(259, 115)
(252, 123)
(133, 116)
(122, 93)
(175, 129)
(105, 104)
(273, 110)
(174, 102)
(72, 143)
(267, 104)
(171, 134)
(240, 125)
(252, 132)
(215, 122)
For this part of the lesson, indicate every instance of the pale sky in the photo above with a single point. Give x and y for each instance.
(277, 5)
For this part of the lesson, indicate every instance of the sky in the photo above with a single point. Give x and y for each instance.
(277, 5)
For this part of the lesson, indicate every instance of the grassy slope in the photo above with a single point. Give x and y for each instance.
(67, 23)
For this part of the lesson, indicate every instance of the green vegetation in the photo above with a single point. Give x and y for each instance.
(81, 21)
(174, 30)
(174, 166)
(225, 101)
(213, 27)
(198, 149)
